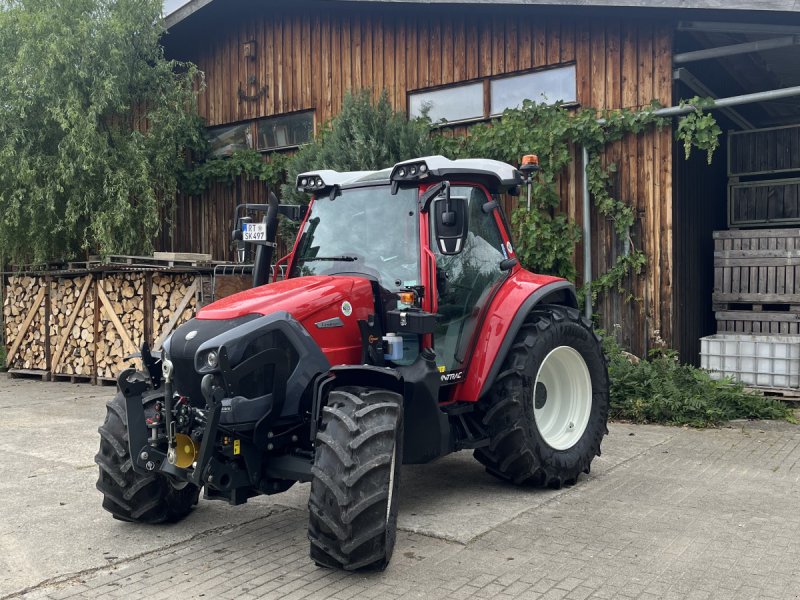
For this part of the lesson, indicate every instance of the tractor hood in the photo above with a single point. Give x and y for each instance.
(302, 297)
(329, 309)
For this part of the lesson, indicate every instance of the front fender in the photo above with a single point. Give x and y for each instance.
(504, 318)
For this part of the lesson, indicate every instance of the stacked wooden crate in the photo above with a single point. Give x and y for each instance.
(764, 177)
(757, 271)
(757, 304)
(757, 281)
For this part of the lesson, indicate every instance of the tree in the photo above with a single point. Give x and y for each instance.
(94, 121)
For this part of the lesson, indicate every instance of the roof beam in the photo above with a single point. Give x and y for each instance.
(720, 27)
(699, 88)
(732, 50)
(184, 11)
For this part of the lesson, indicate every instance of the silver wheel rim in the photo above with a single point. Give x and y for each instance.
(391, 485)
(562, 398)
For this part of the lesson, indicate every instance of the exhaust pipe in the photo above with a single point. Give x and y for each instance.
(263, 260)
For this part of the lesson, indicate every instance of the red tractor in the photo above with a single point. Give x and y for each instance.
(405, 330)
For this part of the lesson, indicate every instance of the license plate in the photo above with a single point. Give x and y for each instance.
(254, 232)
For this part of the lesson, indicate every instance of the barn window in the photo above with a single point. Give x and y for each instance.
(285, 131)
(489, 97)
(550, 86)
(226, 140)
(455, 103)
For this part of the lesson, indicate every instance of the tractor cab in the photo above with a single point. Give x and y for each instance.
(429, 233)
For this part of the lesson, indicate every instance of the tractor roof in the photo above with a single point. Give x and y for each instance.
(495, 175)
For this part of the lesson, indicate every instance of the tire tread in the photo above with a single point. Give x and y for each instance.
(349, 497)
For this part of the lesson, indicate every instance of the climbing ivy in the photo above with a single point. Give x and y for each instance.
(546, 239)
(699, 128)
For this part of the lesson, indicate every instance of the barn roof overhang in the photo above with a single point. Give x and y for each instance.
(775, 6)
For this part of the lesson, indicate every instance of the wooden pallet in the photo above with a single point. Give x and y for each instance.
(782, 323)
(29, 374)
(73, 378)
(784, 394)
(105, 381)
(162, 259)
(763, 306)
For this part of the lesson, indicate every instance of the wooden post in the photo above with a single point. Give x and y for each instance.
(97, 283)
(147, 308)
(47, 309)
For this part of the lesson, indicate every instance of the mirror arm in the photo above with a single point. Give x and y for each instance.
(428, 196)
(508, 263)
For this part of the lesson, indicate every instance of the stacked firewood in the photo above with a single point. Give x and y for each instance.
(72, 326)
(121, 323)
(174, 302)
(24, 315)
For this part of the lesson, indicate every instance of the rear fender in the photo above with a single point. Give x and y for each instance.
(508, 311)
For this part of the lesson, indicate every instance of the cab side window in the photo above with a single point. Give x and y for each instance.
(466, 281)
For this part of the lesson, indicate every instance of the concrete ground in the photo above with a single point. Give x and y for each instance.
(666, 513)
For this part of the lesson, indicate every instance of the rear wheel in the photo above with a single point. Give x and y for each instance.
(127, 495)
(353, 501)
(546, 413)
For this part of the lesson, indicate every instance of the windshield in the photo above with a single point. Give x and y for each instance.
(366, 231)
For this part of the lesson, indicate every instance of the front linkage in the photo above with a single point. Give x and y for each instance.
(146, 453)
(191, 454)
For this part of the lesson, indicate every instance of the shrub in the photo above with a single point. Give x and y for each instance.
(662, 390)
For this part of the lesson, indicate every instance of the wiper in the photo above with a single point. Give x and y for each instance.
(331, 258)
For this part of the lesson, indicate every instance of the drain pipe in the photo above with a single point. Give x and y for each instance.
(587, 236)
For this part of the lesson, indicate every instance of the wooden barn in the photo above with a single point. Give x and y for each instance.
(276, 71)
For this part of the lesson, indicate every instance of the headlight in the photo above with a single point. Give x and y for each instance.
(212, 359)
(309, 183)
(409, 172)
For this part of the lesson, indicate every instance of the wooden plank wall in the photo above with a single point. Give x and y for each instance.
(310, 58)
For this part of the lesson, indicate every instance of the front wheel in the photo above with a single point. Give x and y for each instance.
(128, 495)
(356, 472)
(546, 414)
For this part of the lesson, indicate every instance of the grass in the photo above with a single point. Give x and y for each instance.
(662, 390)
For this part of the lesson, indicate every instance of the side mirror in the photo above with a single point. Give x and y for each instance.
(293, 212)
(451, 223)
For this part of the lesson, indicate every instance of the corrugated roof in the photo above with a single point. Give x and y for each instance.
(722, 5)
